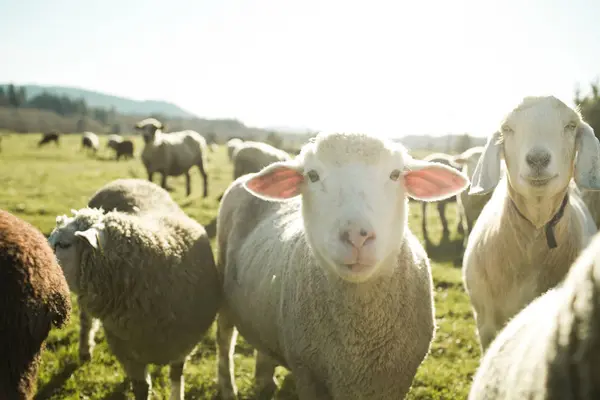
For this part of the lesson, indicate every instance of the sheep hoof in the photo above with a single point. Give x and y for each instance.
(84, 358)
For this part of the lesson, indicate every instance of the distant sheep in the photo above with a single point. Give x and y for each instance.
(321, 273)
(48, 137)
(173, 154)
(33, 296)
(231, 146)
(550, 350)
(441, 205)
(157, 263)
(123, 149)
(251, 157)
(90, 141)
(534, 225)
(469, 206)
(113, 140)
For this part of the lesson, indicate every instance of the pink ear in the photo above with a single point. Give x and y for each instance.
(276, 183)
(434, 182)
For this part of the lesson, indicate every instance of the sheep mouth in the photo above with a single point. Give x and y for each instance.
(539, 181)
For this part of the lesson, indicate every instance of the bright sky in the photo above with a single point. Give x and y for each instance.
(390, 67)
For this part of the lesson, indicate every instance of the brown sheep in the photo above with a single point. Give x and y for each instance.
(35, 295)
(48, 137)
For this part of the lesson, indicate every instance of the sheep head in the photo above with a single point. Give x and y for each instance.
(539, 141)
(354, 189)
(148, 128)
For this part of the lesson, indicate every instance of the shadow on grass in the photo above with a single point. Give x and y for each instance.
(446, 250)
(57, 381)
(119, 391)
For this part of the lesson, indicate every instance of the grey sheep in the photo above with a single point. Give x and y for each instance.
(173, 154)
(321, 273)
(251, 157)
(48, 137)
(534, 226)
(231, 146)
(90, 141)
(33, 296)
(551, 349)
(148, 275)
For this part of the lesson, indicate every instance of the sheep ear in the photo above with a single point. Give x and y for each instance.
(587, 165)
(488, 171)
(94, 236)
(278, 181)
(431, 181)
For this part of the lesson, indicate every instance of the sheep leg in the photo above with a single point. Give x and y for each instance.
(486, 330)
(441, 206)
(204, 178)
(226, 338)
(177, 382)
(188, 184)
(264, 372)
(150, 176)
(307, 387)
(424, 221)
(141, 383)
(163, 183)
(87, 330)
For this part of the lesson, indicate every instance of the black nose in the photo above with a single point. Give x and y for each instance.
(538, 159)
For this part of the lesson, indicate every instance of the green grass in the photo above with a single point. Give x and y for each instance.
(37, 184)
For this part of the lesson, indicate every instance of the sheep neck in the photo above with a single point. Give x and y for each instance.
(546, 214)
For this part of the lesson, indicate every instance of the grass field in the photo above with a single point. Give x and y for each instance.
(37, 184)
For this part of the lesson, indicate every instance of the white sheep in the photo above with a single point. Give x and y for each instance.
(90, 141)
(441, 205)
(231, 146)
(147, 273)
(469, 206)
(321, 273)
(251, 157)
(550, 349)
(534, 225)
(173, 154)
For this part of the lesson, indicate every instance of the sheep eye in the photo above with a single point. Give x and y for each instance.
(63, 245)
(313, 175)
(395, 175)
(571, 126)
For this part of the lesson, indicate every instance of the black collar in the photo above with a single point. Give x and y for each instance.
(549, 227)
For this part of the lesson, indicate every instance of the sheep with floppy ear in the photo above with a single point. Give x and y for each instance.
(173, 154)
(321, 273)
(534, 225)
(34, 295)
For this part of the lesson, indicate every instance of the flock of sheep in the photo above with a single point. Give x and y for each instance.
(317, 268)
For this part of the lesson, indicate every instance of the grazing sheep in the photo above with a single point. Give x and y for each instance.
(251, 157)
(469, 206)
(551, 349)
(48, 137)
(160, 267)
(231, 146)
(441, 205)
(123, 149)
(173, 154)
(90, 141)
(34, 296)
(534, 225)
(321, 273)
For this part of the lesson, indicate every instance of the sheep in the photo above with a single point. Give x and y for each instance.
(231, 145)
(48, 137)
(441, 205)
(592, 200)
(160, 267)
(550, 349)
(534, 225)
(469, 207)
(347, 324)
(90, 141)
(34, 296)
(123, 149)
(112, 140)
(253, 156)
(172, 154)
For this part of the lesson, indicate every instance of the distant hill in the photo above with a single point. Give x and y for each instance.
(445, 143)
(122, 105)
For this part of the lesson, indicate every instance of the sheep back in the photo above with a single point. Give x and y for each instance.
(176, 153)
(251, 157)
(35, 295)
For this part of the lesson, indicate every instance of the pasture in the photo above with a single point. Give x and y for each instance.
(37, 184)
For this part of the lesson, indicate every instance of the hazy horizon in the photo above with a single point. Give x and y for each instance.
(390, 68)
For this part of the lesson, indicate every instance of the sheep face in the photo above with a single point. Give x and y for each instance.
(354, 192)
(539, 140)
(70, 238)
